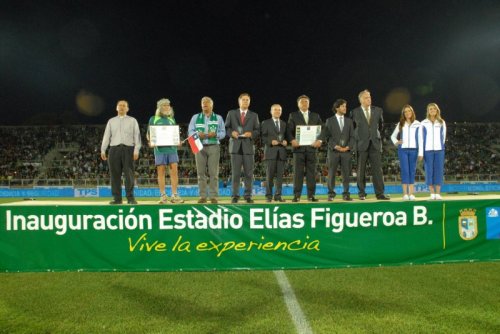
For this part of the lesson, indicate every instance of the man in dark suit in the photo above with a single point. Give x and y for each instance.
(368, 124)
(304, 157)
(242, 126)
(338, 133)
(273, 131)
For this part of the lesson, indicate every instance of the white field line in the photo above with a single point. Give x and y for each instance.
(298, 317)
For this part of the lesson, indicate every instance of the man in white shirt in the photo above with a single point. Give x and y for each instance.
(123, 137)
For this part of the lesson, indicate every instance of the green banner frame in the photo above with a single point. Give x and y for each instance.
(246, 237)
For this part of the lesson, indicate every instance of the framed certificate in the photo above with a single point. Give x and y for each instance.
(164, 135)
(307, 134)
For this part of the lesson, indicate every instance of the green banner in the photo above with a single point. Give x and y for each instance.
(226, 237)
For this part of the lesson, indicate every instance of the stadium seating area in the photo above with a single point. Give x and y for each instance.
(51, 155)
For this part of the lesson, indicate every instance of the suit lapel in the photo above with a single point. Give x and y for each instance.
(302, 116)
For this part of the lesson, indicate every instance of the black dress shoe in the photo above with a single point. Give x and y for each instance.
(362, 197)
(132, 201)
(234, 200)
(347, 198)
(114, 202)
(249, 200)
(279, 199)
(268, 200)
(330, 198)
(313, 199)
(383, 197)
(296, 199)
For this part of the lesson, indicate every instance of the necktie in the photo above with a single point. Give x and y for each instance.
(277, 123)
(306, 117)
(367, 114)
(242, 118)
(341, 122)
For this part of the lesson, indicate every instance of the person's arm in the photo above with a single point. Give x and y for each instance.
(317, 143)
(291, 131)
(394, 136)
(421, 141)
(444, 133)
(137, 139)
(351, 137)
(221, 129)
(325, 132)
(106, 138)
(230, 132)
(256, 128)
(192, 125)
(351, 116)
(381, 121)
(263, 134)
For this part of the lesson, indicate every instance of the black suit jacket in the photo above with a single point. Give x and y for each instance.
(331, 133)
(233, 121)
(269, 132)
(295, 119)
(364, 132)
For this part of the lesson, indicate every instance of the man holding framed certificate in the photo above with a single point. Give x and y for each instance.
(163, 135)
(304, 129)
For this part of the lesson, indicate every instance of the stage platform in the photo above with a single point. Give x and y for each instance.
(258, 201)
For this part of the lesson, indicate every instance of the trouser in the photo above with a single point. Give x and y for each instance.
(247, 161)
(307, 161)
(434, 167)
(408, 164)
(121, 161)
(274, 169)
(207, 168)
(374, 156)
(334, 159)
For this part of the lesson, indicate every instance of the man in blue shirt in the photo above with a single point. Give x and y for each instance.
(211, 129)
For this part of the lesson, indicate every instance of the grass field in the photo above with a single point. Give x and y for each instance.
(450, 298)
(453, 298)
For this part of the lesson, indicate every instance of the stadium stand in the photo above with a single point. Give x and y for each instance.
(70, 155)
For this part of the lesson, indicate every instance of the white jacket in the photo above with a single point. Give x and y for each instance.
(409, 136)
(432, 135)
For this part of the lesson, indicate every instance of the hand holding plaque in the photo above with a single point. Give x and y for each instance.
(164, 135)
(342, 141)
(306, 135)
(240, 132)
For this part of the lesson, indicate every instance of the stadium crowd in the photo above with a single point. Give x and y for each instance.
(73, 153)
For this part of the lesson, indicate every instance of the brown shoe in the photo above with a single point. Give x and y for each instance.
(214, 201)
(202, 200)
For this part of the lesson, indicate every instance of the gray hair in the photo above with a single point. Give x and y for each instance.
(362, 93)
(160, 103)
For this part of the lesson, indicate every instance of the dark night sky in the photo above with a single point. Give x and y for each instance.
(70, 61)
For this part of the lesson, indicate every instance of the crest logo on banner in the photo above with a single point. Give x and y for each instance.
(467, 224)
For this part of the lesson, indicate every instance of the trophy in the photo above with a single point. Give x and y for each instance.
(240, 131)
(342, 142)
(280, 139)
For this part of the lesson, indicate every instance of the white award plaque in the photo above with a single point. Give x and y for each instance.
(164, 135)
(307, 134)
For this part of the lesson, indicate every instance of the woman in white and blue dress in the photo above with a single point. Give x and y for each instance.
(433, 136)
(406, 137)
